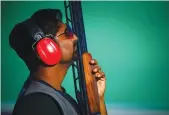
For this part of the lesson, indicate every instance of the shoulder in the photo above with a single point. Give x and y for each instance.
(37, 104)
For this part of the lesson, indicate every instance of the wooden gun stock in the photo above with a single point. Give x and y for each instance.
(91, 85)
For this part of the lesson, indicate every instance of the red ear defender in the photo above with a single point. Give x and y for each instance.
(48, 51)
(45, 47)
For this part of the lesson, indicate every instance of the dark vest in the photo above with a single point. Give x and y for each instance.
(66, 106)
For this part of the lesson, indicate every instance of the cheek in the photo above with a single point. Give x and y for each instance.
(67, 49)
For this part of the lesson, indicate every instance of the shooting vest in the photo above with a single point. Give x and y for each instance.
(66, 106)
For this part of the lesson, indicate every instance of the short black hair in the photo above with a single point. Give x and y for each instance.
(20, 39)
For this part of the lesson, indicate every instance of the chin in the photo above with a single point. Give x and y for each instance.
(75, 56)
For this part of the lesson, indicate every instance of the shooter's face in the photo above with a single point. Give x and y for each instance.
(68, 43)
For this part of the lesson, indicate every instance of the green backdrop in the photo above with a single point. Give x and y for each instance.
(129, 39)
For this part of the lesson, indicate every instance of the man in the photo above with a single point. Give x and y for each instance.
(50, 77)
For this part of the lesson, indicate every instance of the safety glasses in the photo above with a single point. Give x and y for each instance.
(68, 32)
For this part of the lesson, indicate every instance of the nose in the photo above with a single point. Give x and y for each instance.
(74, 39)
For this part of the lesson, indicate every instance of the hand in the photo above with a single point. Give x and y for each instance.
(100, 77)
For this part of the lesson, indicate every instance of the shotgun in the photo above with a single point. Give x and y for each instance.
(85, 84)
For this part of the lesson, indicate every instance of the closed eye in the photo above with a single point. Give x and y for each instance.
(68, 34)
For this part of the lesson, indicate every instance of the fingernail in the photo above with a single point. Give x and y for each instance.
(95, 69)
(92, 61)
(99, 75)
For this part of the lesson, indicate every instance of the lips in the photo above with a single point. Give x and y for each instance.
(75, 49)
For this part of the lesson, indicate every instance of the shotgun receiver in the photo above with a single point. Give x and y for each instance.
(85, 84)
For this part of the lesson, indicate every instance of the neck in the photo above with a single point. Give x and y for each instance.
(52, 75)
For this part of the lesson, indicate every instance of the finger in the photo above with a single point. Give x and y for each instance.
(93, 62)
(100, 76)
(96, 68)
